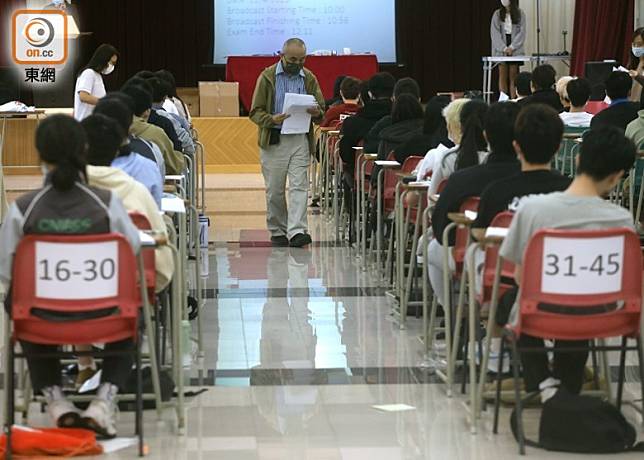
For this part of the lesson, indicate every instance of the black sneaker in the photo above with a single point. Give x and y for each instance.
(279, 241)
(300, 240)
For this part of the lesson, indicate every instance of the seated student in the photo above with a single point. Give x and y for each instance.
(355, 128)
(501, 162)
(605, 156)
(144, 148)
(523, 82)
(406, 122)
(560, 87)
(537, 133)
(174, 161)
(543, 79)
(403, 86)
(154, 118)
(434, 132)
(621, 110)
(141, 169)
(471, 149)
(104, 136)
(173, 104)
(159, 95)
(350, 94)
(452, 116)
(635, 130)
(577, 94)
(66, 197)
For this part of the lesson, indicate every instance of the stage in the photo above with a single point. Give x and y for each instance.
(231, 145)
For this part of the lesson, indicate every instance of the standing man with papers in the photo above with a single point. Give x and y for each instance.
(287, 99)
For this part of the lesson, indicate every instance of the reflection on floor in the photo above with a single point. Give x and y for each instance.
(300, 346)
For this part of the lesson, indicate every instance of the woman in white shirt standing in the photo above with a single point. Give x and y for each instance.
(508, 32)
(89, 84)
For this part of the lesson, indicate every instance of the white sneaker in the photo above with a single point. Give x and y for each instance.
(100, 416)
(61, 410)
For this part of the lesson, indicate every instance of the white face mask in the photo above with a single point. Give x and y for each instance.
(109, 69)
(505, 3)
(638, 51)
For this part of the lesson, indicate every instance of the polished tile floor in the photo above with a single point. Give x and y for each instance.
(300, 346)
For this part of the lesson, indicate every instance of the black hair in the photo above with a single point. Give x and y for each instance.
(350, 88)
(605, 151)
(114, 108)
(406, 107)
(145, 74)
(515, 12)
(159, 89)
(539, 131)
(618, 85)
(578, 92)
(472, 121)
(499, 128)
(434, 124)
(635, 61)
(336, 89)
(522, 82)
(407, 86)
(364, 91)
(382, 85)
(142, 99)
(543, 76)
(168, 77)
(61, 141)
(104, 138)
(101, 57)
(122, 97)
(138, 81)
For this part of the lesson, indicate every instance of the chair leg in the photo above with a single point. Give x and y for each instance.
(139, 398)
(517, 397)
(622, 372)
(9, 398)
(497, 399)
(640, 359)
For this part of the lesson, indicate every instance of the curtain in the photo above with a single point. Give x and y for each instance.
(603, 30)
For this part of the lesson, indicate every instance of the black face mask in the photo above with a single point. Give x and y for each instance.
(292, 68)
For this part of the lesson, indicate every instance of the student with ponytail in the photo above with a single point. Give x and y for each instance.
(472, 148)
(67, 205)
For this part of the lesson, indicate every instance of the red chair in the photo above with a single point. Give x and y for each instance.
(595, 107)
(463, 236)
(141, 222)
(502, 220)
(580, 305)
(66, 295)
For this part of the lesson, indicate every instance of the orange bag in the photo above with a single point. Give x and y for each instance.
(61, 442)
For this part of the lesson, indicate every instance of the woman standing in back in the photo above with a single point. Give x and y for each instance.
(89, 84)
(508, 32)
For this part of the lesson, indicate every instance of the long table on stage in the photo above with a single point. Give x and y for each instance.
(246, 70)
(490, 62)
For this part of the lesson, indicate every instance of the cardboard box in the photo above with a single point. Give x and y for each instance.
(218, 99)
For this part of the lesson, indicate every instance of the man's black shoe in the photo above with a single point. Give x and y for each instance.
(279, 241)
(300, 240)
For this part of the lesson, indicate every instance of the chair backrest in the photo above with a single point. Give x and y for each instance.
(75, 289)
(463, 233)
(141, 222)
(442, 186)
(595, 107)
(581, 284)
(390, 179)
(410, 164)
(501, 220)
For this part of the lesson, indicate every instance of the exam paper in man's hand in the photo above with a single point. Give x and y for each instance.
(296, 105)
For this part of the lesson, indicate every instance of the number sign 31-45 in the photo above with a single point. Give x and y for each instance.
(76, 271)
(583, 266)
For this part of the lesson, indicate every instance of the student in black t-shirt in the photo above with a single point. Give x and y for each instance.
(537, 133)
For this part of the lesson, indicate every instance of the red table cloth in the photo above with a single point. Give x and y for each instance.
(246, 70)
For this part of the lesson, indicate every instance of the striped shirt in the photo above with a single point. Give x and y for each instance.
(285, 83)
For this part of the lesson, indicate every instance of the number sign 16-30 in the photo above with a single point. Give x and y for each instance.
(76, 271)
(582, 266)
